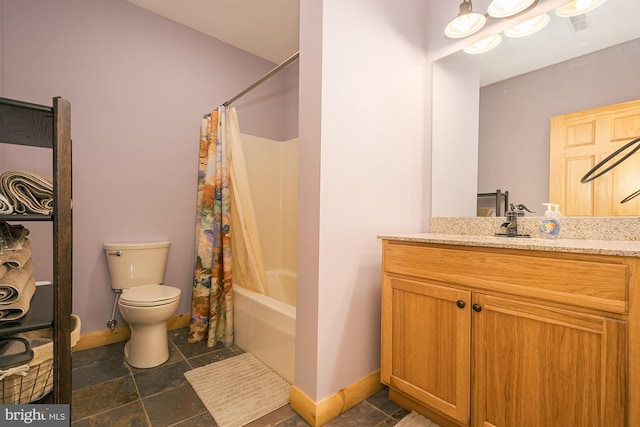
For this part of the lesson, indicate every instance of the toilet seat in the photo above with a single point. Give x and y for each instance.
(149, 295)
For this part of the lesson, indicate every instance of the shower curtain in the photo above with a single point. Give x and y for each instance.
(227, 243)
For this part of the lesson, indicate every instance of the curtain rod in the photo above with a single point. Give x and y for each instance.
(263, 78)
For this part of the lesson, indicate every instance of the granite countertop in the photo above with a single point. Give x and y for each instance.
(618, 236)
(599, 247)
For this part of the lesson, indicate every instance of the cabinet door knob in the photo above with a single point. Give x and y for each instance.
(477, 308)
(460, 303)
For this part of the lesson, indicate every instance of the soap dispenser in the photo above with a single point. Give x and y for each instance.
(557, 215)
(550, 224)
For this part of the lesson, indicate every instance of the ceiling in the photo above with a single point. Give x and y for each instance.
(268, 29)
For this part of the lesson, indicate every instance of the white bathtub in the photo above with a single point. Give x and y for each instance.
(266, 327)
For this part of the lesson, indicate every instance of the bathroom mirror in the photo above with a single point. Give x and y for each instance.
(506, 97)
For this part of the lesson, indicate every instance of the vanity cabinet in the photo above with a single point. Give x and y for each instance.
(426, 344)
(479, 336)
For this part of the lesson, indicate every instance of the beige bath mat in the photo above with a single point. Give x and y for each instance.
(416, 420)
(239, 390)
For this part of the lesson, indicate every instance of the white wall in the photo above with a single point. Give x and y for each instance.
(454, 139)
(361, 172)
(307, 310)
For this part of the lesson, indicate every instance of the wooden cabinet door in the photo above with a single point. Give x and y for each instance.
(578, 142)
(426, 344)
(535, 366)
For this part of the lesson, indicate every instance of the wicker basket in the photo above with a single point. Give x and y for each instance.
(28, 376)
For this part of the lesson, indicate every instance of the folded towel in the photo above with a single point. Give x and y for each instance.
(13, 283)
(5, 206)
(11, 236)
(27, 192)
(18, 309)
(16, 258)
(14, 231)
(10, 347)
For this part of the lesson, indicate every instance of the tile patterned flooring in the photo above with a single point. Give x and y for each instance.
(107, 392)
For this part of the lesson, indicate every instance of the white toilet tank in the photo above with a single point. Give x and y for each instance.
(136, 263)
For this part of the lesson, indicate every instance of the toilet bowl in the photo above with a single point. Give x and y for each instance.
(137, 270)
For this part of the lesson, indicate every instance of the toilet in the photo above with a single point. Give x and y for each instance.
(137, 269)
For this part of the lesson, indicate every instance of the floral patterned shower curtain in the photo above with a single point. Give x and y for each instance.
(211, 302)
(224, 198)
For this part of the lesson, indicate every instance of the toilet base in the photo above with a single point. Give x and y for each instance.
(148, 346)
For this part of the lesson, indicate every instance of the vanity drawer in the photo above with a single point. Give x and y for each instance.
(591, 281)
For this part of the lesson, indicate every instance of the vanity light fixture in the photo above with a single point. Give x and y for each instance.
(529, 26)
(484, 45)
(466, 23)
(577, 7)
(507, 8)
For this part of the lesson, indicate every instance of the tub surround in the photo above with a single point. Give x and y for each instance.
(487, 305)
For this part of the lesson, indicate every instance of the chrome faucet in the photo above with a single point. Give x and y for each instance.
(511, 225)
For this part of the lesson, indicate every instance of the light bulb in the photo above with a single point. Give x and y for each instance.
(525, 26)
(582, 4)
(507, 8)
(529, 26)
(577, 7)
(507, 5)
(463, 23)
(484, 45)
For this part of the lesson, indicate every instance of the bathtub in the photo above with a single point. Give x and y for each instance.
(265, 326)
(282, 286)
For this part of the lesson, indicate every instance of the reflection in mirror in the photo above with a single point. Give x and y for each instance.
(516, 104)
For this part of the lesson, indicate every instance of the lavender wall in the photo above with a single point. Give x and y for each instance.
(515, 116)
(138, 85)
(362, 88)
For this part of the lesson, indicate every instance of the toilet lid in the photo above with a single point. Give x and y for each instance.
(147, 295)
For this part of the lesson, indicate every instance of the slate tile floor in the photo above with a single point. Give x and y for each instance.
(107, 392)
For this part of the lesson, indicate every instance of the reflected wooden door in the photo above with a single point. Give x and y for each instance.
(581, 140)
